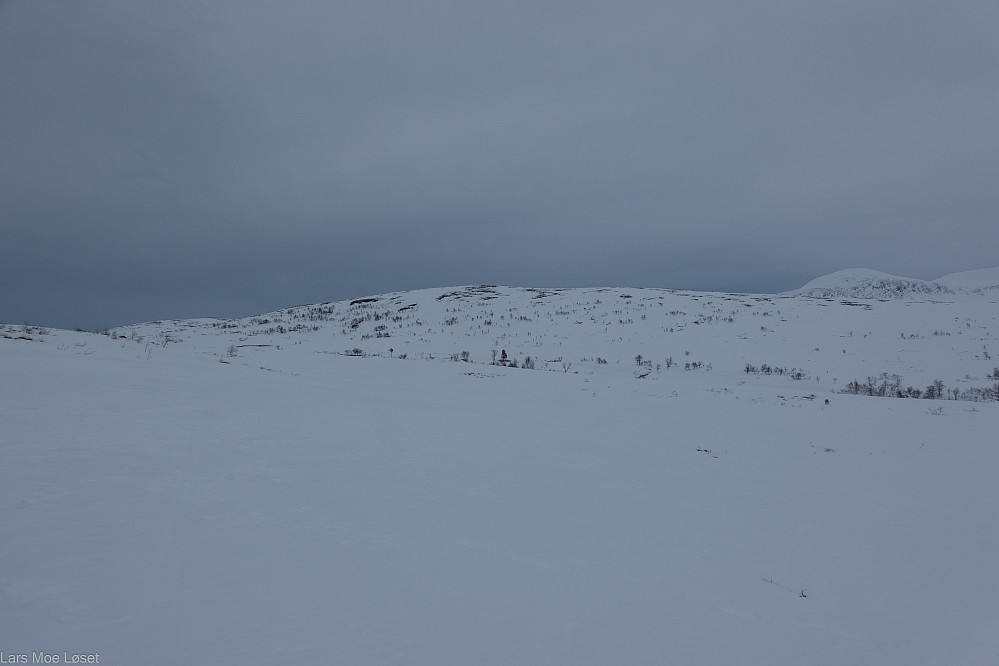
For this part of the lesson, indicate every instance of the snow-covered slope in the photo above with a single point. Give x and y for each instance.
(866, 283)
(358, 482)
(972, 282)
(603, 332)
(869, 284)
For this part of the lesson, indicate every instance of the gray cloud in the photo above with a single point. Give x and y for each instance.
(224, 158)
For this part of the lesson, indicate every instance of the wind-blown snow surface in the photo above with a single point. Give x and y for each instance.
(224, 492)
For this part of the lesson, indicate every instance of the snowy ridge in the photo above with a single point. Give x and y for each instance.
(865, 283)
(603, 330)
(972, 282)
(869, 284)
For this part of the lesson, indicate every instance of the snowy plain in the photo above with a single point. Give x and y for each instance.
(363, 482)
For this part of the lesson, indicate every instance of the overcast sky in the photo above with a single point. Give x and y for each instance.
(230, 157)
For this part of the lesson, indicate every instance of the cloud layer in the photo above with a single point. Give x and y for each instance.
(226, 158)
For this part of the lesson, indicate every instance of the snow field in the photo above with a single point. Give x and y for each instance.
(296, 504)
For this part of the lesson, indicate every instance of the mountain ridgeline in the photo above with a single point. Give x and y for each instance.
(851, 326)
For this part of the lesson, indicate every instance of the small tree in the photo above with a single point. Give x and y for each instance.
(935, 391)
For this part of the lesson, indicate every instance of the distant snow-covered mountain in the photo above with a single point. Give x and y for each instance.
(870, 284)
(972, 282)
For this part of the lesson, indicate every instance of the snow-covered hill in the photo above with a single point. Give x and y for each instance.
(869, 284)
(831, 341)
(866, 283)
(649, 476)
(972, 282)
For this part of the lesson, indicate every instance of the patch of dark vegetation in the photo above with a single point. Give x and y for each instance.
(765, 369)
(890, 386)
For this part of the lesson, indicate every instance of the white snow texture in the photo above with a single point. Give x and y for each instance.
(678, 480)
